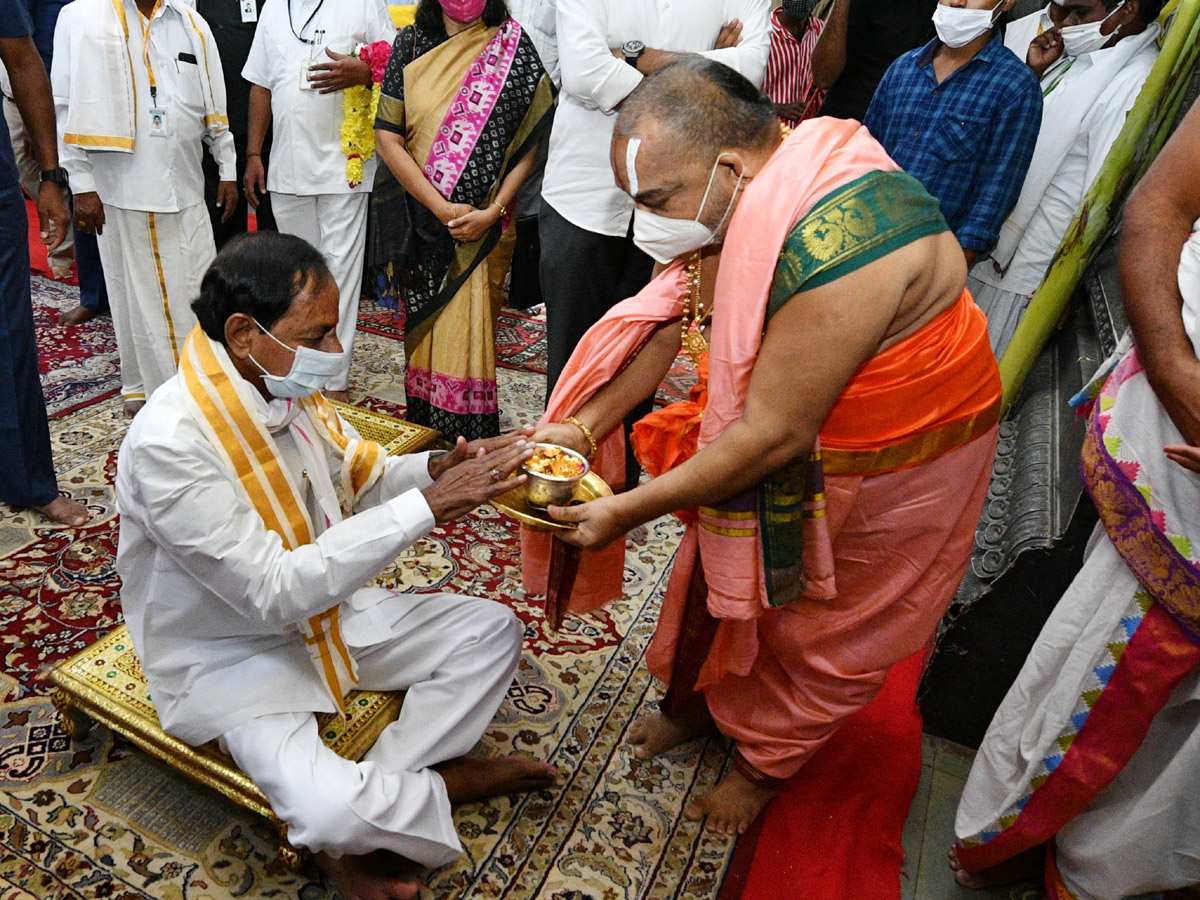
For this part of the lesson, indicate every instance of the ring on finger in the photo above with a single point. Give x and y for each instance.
(495, 474)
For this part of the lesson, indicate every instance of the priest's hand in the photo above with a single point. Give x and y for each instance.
(600, 523)
(53, 214)
(227, 199)
(564, 434)
(343, 72)
(89, 213)
(463, 450)
(475, 481)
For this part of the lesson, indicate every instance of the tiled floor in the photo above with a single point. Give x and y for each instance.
(929, 831)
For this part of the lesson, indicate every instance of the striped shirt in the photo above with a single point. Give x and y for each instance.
(789, 76)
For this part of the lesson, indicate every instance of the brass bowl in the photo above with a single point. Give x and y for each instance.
(547, 490)
(513, 503)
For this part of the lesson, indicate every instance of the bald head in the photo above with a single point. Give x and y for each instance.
(703, 107)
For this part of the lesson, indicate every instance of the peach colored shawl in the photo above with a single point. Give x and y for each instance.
(817, 158)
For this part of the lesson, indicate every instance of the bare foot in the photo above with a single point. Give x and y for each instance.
(732, 806)
(471, 778)
(338, 396)
(62, 273)
(360, 878)
(76, 315)
(654, 733)
(1029, 864)
(133, 407)
(65, 510)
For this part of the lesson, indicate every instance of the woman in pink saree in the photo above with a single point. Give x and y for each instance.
(464, 103)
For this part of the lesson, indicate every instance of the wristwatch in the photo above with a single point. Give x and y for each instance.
(632, 50)
(58, 176)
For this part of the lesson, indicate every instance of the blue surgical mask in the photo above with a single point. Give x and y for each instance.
(310, 371)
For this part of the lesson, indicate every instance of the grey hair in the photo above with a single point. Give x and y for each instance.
(705, 105)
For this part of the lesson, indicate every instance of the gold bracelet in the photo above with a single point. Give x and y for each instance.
(503, 208)
(587, 433)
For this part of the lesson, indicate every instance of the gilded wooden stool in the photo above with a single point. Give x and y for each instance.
(105, 684)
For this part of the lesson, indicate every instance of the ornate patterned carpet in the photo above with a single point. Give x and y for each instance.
(98, 819)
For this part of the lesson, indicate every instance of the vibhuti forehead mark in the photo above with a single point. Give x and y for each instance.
(631, 152)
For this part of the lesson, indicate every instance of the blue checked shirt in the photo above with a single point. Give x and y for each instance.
(968, 140)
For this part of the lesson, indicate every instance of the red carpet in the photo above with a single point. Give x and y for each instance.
(38, 264)
(834, 832)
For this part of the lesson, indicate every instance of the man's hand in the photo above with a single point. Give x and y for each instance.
(53, 214)
(1043, 51)
(227, 199)
(477, 480)
(343, 72)
(255, 181)
(730, 35)
(441, 463)
(564, 434)
(470, 227)
(790, 112)
(1185, 455)
(600, 523)
(89, 213)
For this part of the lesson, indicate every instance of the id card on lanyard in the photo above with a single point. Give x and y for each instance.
(314, 44)
(249, 10)
(157, 124)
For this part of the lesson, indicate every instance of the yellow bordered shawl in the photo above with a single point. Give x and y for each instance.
(240, 437)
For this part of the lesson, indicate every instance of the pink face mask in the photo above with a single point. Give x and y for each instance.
(463, 10)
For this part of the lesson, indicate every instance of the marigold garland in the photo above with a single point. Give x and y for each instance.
(359, 104)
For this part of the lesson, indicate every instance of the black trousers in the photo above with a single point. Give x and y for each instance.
(223, 232)
(583, 276)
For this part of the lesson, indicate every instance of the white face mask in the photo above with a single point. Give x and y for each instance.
(957, 26)
(665, 239)
(310, 372)
(1079, 40)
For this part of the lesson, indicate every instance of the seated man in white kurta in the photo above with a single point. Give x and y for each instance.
(251, 518)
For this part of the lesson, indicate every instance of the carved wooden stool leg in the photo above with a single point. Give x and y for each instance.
(74, 723)
(295, 858)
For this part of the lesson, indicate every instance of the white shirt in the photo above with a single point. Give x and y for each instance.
(306, 148)
(212, 598)
(162, 174)
(1082, 163)
(579, 180)
(537, 18)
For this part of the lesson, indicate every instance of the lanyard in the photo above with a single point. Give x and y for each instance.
(1065, 67)
(146, 51)
(307, 22)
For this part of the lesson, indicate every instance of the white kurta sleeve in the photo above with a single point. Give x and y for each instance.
(749, 57)
(217, 135)
(72, 158)
(590, 73)
(401, 474)
(258, 69)
(195, 514)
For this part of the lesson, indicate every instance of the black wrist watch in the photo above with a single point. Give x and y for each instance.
(58, 176)
(633, 50)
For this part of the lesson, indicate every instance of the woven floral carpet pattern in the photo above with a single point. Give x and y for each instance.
(98, 819)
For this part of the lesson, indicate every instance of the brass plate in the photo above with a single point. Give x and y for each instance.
(513, 503)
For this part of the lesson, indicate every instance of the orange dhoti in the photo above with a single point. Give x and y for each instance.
(920, 421)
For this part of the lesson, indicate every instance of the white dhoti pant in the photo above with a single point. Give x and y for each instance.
(336, 224)
(456, 657)
(1141, 834)
(1004, 311)
(153, 265)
